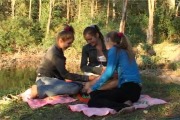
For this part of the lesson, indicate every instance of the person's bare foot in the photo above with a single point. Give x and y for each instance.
(34, 92)
(127, 110)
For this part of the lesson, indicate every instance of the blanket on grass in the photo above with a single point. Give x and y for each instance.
(144, 102)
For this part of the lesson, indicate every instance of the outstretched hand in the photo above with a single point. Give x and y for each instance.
(93, 77)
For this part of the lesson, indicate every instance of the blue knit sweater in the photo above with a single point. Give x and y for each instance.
(119, 61)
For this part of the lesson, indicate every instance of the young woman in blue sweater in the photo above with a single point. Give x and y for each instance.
(121, 60)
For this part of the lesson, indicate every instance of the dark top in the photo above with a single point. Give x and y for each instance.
(53, 65)
(89, 59)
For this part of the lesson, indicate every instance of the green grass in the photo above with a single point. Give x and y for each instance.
(18, 110)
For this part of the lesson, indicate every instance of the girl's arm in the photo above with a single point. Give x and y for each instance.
(84, 60)
(108, 73)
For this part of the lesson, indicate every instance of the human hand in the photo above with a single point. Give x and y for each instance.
(92, 77)
(86, 87)
(89, 90)
(103, 69)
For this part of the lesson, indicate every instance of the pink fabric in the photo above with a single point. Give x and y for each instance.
(144, 102)
(91, 111)
(37, 103)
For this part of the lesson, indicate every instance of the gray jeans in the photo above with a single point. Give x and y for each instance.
(47, 86)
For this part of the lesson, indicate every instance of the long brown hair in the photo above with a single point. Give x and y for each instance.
(122, 42)
(93, 30)
(66, 33)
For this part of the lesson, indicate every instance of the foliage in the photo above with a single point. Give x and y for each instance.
(22, 32)
(166, 24)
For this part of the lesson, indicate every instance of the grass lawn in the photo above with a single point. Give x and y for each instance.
(18, 110)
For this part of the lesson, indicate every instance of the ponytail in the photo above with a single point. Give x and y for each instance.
(122, 42)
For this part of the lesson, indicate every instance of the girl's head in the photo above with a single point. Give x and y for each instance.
(65, 38)
(92, 34)
(120, 41)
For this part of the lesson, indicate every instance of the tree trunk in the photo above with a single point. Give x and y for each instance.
(79, 10)
(92, 9)
(68, 10)
(40, 9)
(72, 6)
(114, 10)
(177, 10)
(30, 4)
(123, 19)
(96, 5)
(49, 18)
(107, 14)
(12, 8)
(151, 19)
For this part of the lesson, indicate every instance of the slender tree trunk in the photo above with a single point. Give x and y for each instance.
(12, 8)
(72, 6)
(114, 10)
(79, 10)
(49, 18)
(92, 9)
(151, 19)
(68, 10)
(30, 4)
(107, 14)
(40, 4)
(177, 9)
(123, 19)
(96, 5)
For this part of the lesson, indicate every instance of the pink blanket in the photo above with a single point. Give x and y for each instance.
(144, 102)
(37, 103)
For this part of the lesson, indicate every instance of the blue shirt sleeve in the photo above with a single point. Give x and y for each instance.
(111, 66)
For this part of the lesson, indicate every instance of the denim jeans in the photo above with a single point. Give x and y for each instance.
(47, 86)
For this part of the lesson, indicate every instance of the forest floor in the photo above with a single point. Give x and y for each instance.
(159, 82)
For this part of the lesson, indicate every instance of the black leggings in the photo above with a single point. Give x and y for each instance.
(116, 97)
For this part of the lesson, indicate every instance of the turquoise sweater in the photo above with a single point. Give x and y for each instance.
(119, 61)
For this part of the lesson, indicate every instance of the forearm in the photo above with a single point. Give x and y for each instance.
(76, 77)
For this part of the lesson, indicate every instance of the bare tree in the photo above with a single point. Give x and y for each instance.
(30, 4)
(68, 9)
(114, 10)
(177, 9)
(12, 8)
(150, 24)
(96, 5)
(79, 10)
(107, 14)
(51, 2)
(92, 9)
(123, 19)
(40, 4)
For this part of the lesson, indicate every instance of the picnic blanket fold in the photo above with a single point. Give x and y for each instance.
(37, 103)
(144, 102)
